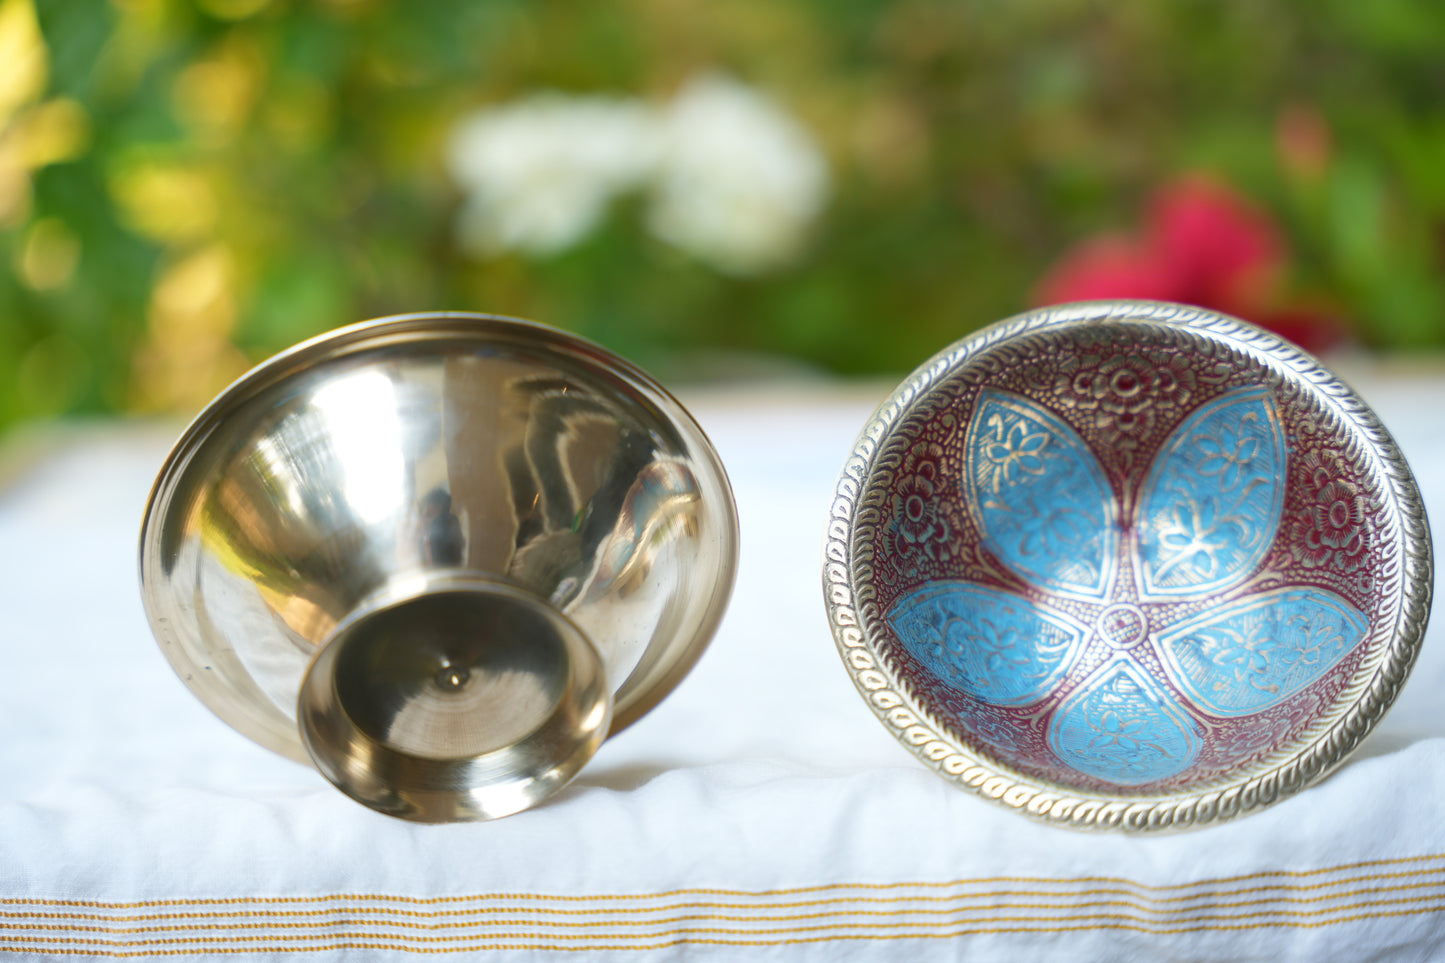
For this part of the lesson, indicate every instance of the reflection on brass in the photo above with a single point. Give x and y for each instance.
(440, 557)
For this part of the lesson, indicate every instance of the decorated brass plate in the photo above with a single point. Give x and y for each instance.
(1127, 565)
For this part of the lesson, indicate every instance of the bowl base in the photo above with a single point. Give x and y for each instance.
(470, 700)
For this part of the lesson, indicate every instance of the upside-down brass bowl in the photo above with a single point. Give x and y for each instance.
(440, 557)
(1127, 565)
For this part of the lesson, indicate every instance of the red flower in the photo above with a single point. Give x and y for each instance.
(1202, 244)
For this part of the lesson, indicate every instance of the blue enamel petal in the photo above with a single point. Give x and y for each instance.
(1124, 728)
(1261, 651)
(993, 645)
(1040, 499)
(1211, 504)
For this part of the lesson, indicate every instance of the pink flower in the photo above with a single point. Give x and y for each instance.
(1202, 244)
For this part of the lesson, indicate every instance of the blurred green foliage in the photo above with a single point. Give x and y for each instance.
(188, 187)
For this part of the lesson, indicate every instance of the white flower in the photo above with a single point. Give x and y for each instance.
(730, 177)
(739, 181)
(540, 172)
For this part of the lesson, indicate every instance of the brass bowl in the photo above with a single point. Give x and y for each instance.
(1127, 565)
(440, 556)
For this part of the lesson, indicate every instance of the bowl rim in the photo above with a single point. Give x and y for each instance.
(854, 616)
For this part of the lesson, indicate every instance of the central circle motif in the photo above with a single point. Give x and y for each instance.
(1125, 383)
(1339, 514)
(1122, 625)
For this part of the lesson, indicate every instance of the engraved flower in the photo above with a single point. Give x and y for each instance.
(1002, 646)
(1310, 642)
(1124, 384)
(1247, 652)
(1116, 730)
(916, 488)
(1309, 545)
(915, 510)
(1203, 519)
(918, 525)
(1052, 526)
(1123, 387)
(1193, 537)
(923, 458)
(1118, 384)
(1339, 514)
(1015, 451)
(1126, 395)
(1332, 532)
(1227, 454)
(1320, 468)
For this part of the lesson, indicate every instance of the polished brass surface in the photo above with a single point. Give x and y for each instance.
(457, 701)
(434, 554)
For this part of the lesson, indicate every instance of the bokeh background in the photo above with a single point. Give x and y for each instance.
(715, 188)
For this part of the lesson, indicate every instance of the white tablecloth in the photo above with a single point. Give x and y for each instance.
(759, 813)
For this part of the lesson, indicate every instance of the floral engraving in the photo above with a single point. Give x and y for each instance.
(1123, 727)
(1125, 391)
(1212, 500)
(1252, 656)
(998, 647)
(1207, 512)
(1331, 535)
(1015, 450)
(1123, 397)
(918, 525)
(1041, 501)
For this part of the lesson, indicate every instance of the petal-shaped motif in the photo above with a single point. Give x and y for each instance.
(1262, 650)
(1124, 727)
(1040, 499)
(995, 646)
(1211, 504)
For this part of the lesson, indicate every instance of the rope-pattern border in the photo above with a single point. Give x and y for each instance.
(854, 616)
